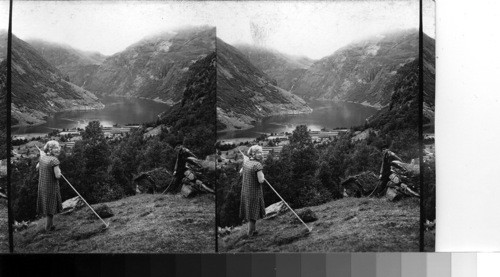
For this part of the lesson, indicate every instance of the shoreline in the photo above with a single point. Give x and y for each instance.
(364, 103)
(234, 130)
(43, 121)
(100, 107)
(157, 99)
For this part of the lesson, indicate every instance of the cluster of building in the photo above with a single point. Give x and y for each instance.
(66, 138)
(273, 144)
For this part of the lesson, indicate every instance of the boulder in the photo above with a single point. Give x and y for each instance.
(188, 191)
(72, 204)
(392, 194)
(190, 175)
(275, 209)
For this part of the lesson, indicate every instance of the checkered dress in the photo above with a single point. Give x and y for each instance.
(252, 198)
(49, 195)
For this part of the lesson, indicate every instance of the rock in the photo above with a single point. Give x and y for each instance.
(189, 175)
(306, 215)
(392, 194)
(187, 191)
(102, 210)
(72, 204)
(275, 209)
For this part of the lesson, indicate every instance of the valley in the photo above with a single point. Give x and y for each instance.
(55, 84)
(357, 81)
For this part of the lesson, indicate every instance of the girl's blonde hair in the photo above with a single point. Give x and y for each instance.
(254, 150)
(50, 146)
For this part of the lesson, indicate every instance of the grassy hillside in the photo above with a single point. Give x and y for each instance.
(141, 224)
(346, 225)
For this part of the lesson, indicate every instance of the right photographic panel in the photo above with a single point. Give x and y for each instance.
(318, 120)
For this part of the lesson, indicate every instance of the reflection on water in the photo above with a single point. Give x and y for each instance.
(118, 110)
(326, 114)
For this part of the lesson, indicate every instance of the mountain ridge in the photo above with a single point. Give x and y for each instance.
(39, 89)
(245, 94)
(283, 68)
(154, 67)
(360, 72)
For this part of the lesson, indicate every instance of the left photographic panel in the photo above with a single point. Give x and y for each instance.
(113, 127)
(4, 25)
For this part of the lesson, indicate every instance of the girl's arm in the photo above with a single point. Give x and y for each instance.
(57, 172)
(260, 176)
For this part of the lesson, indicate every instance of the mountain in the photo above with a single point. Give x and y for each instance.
(403, 109)
(362, 72)
(245, 94)
(429, 53)
(192, 119)
(3, 111)
(78, 65)
(155, 67)
(285, 69)
(39, 89)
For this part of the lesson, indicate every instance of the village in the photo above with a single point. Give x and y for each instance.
(24, 146)
(271, 143)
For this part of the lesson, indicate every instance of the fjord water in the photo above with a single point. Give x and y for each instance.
(118, 110)
(326, 114)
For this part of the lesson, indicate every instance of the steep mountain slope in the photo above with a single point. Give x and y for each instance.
(245, 94)
(78, 65)
(403, 108)
(285, 69)
(154, 67)
(39, 89)
(3, 96)
(429, 54)
(362, 72)
(3, 110)
(193, 118)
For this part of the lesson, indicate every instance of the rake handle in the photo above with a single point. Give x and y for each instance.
(105, 224)
(308, 228)
(81, 197)
(288, 206)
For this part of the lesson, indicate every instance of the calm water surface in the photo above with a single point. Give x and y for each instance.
(326, 114)
(118, 110)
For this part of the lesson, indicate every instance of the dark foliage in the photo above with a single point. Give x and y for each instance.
(193, 120)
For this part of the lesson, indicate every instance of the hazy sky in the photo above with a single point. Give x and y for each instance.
(4, 15)
(314, 29)
(107, 27)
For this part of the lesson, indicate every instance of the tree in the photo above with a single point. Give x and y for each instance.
(300, 137)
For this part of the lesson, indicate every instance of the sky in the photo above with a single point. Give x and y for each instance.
(106, 27)
(4, 15)
(312, 29)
